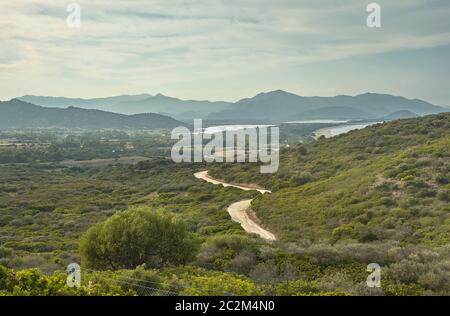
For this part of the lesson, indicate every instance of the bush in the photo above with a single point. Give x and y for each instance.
(135, 237)
(345, 230)
(444, 195)
(301, 179)
(442, 178)
(220, 284)
(228, 252)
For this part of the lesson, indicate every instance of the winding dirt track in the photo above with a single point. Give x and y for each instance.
(239, 210)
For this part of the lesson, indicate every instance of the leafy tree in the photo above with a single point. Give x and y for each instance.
(135, 237)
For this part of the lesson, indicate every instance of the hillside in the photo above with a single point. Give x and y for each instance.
(399, 115)
(19, 114)
(388, 182)
(283, 106)
(333, 113)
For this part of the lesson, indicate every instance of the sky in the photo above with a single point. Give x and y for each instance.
(225, 49)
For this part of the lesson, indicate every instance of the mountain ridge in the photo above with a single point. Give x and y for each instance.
(19, 114)
(281, 106)
(277, 105)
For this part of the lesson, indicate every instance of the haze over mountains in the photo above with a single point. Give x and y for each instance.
(271, 106)
(20, 114)
(281, 106)
(136, 104)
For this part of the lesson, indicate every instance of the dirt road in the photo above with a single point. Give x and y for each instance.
(204, 176)
(239, 211)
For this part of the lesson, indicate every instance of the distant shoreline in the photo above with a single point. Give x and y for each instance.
(332, 131)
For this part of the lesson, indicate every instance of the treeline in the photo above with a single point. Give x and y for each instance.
(83, 146)
(30, 155)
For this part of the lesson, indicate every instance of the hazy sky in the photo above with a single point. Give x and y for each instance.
(225, 49)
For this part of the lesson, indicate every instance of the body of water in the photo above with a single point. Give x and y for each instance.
(231, 128)
(326, 131)
(316, 122)
(342, 129)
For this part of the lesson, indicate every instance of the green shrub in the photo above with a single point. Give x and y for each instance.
(135, 237)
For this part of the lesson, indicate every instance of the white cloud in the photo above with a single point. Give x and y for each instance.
(155, 44)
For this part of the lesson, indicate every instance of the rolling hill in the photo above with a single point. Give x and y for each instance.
(19, 114)
(333, 112)
(399, 115)
(385, 183)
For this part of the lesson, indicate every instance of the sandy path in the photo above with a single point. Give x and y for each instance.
(238, 210)
(204, 176)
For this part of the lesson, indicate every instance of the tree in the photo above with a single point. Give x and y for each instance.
(135, 237)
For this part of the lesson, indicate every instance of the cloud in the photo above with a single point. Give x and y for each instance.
(164, 43)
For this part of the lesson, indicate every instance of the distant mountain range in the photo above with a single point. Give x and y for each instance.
(136, 104)
(271, 106)
(282, 106)
(20, 114)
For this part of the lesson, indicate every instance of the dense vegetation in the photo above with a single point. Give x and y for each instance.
(386, 182)
(44, 209)
(376, 195)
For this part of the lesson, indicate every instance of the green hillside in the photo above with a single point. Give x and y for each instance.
(385, 182)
